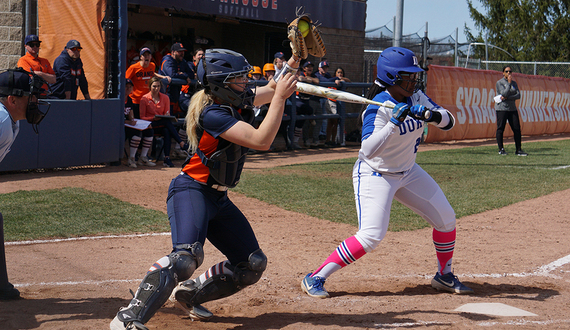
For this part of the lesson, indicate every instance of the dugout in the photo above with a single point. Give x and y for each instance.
(111, 32)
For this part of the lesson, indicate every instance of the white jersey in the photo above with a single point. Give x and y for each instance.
(8, 131)
(387, 147)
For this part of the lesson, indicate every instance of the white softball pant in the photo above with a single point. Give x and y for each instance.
(374, 192)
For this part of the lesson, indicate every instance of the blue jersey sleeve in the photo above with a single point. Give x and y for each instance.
(217, 120)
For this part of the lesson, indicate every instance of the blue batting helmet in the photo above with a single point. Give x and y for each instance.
(394, 60)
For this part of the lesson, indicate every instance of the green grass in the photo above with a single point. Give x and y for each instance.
(474, 180)
(71, 212)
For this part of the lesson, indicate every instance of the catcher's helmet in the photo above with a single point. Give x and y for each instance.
(217, 68)
(394, 60)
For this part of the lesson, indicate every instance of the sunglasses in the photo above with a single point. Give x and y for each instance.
(33, 44)
(75, 49)
(508, 71)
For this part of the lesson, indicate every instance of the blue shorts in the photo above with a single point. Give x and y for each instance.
(197, 212)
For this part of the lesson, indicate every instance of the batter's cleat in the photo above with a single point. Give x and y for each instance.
(117, 324)
(313, 286)
(9, 293)
(143, 160)
(520, 152)
(449, 283)
(502, 152)
(197, 312)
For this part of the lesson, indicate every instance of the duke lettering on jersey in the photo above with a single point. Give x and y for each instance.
(410, 125)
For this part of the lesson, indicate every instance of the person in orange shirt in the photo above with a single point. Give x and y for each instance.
(156, 103)
(140, 73)
(33, 62)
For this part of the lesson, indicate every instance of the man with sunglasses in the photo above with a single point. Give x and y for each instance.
(70, 75)
(506, 109)
(34, 63)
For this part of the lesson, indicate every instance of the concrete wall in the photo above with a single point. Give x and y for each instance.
(11, 32)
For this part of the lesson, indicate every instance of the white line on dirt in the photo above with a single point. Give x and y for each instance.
(76, 283)
(83, 238)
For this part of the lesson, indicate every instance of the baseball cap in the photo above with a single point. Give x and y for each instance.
(144, 50)
(279, 55)
(73, 44)
(128, 81)
(20, 84)
(323, 64)
(31, 38)
(308, 63)
(177, 47)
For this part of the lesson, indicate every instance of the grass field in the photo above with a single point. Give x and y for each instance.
(474, 180)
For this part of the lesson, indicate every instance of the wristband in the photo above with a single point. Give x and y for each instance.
(286, 69)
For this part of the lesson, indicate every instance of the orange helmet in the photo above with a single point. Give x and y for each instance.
(268, 67)
(255, 70)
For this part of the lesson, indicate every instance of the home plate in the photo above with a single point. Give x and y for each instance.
(496, 309)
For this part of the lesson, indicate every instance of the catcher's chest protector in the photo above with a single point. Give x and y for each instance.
(225, 164)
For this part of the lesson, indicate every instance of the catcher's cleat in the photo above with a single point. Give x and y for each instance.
(449, 283)
(196, 312)
(313, 286)
(117, 324)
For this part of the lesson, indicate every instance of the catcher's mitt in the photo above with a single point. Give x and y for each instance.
(303, 46)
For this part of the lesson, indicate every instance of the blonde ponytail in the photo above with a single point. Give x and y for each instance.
(200, 100)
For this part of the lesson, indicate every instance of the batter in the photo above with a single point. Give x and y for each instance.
(386, 169)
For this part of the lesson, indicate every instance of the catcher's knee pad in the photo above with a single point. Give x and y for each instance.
(223, 285)
(248, 273)
(186, 259)
(152, 293)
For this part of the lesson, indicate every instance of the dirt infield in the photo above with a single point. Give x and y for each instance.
(518, 256)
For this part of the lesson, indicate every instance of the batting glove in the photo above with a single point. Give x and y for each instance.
(420, 112)
(399, 113)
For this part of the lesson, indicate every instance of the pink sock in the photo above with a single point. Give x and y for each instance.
(346, 253)
(444, 245)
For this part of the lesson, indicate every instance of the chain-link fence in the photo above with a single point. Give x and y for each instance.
(549, 69)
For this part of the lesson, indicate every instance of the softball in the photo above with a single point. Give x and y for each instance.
(303, 27)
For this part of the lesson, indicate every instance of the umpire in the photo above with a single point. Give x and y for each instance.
(14, 103)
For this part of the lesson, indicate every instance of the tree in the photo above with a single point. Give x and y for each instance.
(530, 30)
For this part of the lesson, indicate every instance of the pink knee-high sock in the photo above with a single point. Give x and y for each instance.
(346, 253)
(444, 245)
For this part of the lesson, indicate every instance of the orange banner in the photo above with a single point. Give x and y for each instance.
(544, 106)
(63, 20)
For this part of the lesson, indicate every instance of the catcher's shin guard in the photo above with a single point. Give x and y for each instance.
(152, 293)
(223, 285)
(157, 285)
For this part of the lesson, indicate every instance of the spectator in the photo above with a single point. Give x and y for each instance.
(134, 135)
(154, 104)
(308, 76)
(175, 66)
(302, 104)
(327, 106)
(33, 62)
(188, 90)
(256, 73)
(278, 61)
(16, 104)
(268, 71)
(339, 73)
(506, 109)
(140, 74)
(69, 71)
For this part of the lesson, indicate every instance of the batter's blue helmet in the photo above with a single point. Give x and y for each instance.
(217, 68)
(394, 60)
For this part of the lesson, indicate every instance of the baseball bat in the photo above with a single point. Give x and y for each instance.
(344, 96)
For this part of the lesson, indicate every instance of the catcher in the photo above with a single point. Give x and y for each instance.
(220, 134)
